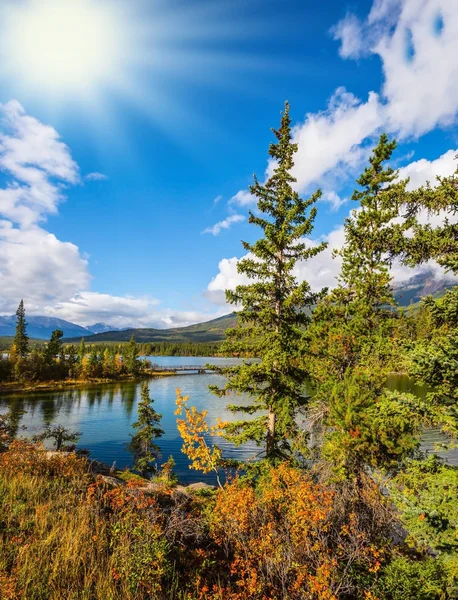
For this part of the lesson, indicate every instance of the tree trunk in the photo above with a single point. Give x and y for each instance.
(270, 440)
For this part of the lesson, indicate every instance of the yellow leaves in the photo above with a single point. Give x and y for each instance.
(192, 429)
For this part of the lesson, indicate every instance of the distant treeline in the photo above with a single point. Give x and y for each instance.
(165, 348)
(148, 349)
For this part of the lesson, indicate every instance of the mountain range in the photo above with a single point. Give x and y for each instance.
(40, 327)
(210, 331)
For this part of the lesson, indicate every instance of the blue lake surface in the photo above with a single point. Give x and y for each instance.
(104, 413)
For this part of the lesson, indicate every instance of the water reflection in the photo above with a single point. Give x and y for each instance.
(105, 413)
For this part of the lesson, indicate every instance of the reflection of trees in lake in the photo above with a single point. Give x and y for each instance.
(44, 409)
(128, 395)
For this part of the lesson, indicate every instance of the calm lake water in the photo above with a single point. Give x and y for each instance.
(104, 413)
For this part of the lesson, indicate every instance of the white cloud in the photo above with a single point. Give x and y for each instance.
(217, 200)
(37, 162)
(332, 138)
(243, 198)
(225, 224)
(421, 171)
(95, 177)
(349, 32)
(417, 42)
(334, 200)
(87, 308)
(227, 278)
(36, 266)
(50, 275)
(421, 93)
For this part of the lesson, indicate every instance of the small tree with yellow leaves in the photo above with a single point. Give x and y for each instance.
(193, 428)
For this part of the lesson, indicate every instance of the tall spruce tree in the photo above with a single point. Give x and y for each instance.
(353, 323)
(371, 236)
(274, 307)
(434, 360)
(54, 346)
(21, 339)
(349, 342)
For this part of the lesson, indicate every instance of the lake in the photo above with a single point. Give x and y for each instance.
(104, 413)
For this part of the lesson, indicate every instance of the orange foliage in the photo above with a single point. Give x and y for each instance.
(26, 458)
(281, 538)
(275, 535)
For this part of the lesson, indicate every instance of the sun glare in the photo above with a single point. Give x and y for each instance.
(63, 44)
(99, 55)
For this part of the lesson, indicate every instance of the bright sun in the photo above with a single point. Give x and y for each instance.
(65, 44)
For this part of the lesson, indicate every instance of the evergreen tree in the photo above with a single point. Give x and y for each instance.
(275, 308)
(71, 360)
(81, 351)
(94, 363)
(108, 362)
(434, 357)
(54, 346)
(437, 242)
(350, 339)
(142, 446)
(353, 324)
(21, 339)
(131, 357)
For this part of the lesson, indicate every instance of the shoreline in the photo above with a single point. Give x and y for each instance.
(50, 386)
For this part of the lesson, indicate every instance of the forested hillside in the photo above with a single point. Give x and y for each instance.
(211, 331)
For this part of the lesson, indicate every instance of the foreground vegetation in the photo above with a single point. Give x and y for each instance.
(342, 504)
(68, 534)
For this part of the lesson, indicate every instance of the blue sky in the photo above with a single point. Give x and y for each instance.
(170, 105)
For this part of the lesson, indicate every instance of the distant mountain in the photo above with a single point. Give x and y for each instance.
(42, 327)
(211, 331)
(407, 293)
(101, 328)
(419, 286)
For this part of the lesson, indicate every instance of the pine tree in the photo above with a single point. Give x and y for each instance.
(349, 342)
(131, 357)
(54, 346)
(275, 308)
(21, 339)
(59, 434)
(438, 242)
(142, 446)
(371, 236)
(81, 350)
(434, 359)
(352, 325)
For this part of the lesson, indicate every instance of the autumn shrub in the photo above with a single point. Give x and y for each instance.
(290, 537)
(280, 534)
